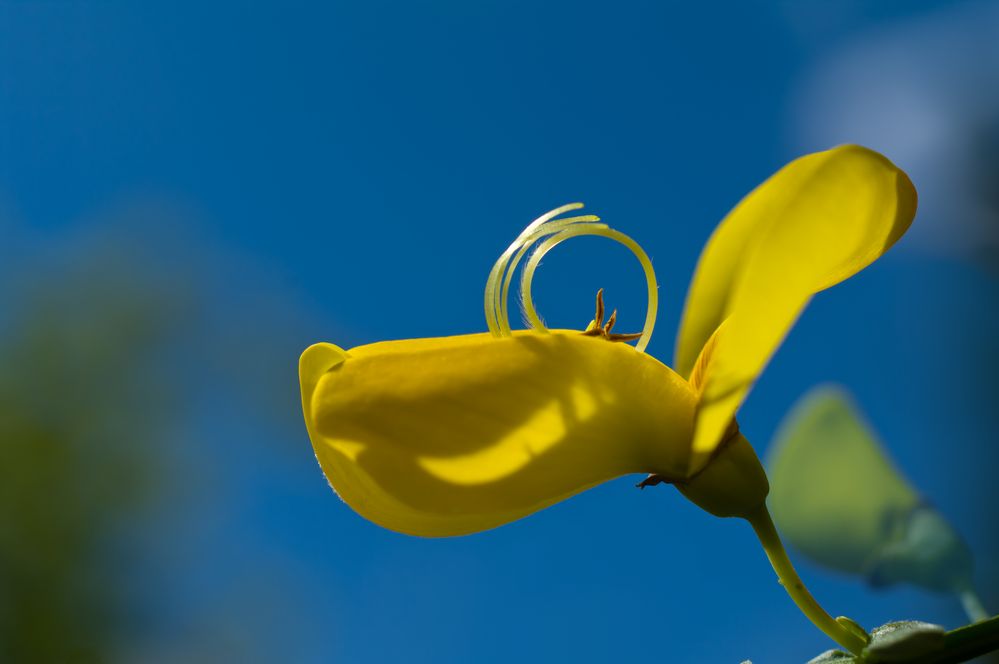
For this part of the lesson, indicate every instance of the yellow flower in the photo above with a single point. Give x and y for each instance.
(455, 435)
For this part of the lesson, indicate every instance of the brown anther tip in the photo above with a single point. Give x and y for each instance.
(599, 317)
(597, 328)
(631, 336)
(652, 480)
(610, 322)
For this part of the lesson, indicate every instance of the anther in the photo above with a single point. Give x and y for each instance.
(597, 327)
(629, 336)
(598, 319)
(653, 480)
(610, 323)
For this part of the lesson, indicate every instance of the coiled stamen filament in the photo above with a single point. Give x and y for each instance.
(555, 231)
(498, 284)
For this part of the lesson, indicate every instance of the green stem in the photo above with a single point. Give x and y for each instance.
(973, 605)
(763, 525)
(965, 643)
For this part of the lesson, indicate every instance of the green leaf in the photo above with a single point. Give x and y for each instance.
(833, 657)
(901, 641)
(926, 552)
(912, 642)
(837, 497)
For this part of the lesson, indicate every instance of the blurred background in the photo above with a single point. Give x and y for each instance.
(192, 194)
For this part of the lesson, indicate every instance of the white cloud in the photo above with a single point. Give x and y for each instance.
(925, 92)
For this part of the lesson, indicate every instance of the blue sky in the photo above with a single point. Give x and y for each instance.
(365, 164)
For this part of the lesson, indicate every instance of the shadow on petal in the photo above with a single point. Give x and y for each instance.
(455, 435)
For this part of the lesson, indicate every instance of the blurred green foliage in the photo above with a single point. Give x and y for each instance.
(85, 419)
(839, 500)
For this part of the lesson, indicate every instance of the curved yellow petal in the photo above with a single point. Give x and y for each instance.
(454, 435)
(817, 221)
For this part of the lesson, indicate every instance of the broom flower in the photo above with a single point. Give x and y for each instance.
(455, 435)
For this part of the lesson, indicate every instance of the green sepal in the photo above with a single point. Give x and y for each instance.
(733, 483)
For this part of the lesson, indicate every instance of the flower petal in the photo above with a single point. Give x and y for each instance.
(455, 435)
(817, 221)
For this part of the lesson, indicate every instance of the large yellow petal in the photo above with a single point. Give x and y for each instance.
(455, 435)
(816, 222)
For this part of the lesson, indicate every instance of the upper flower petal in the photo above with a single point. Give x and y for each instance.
(455, 435)
(817, 221)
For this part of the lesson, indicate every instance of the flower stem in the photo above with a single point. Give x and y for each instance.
(973, 605)
(763, 525)
(964, 643)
